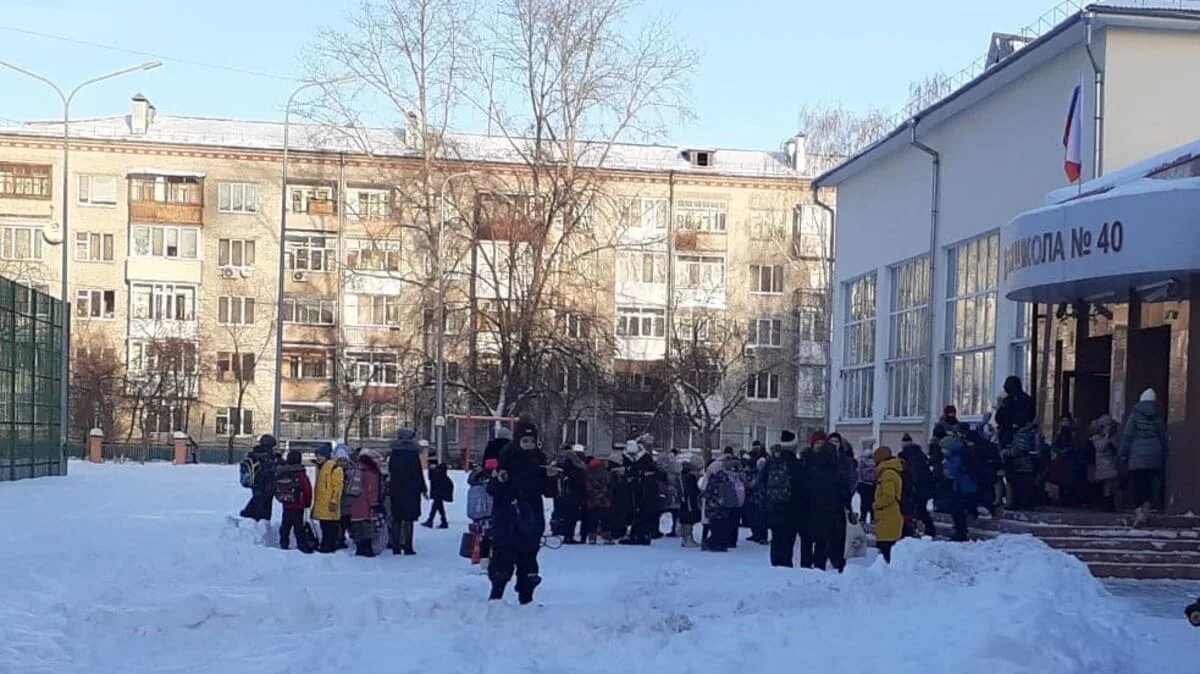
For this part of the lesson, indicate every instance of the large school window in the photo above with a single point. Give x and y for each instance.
(858, 349)
(907, 365)
(972, 273)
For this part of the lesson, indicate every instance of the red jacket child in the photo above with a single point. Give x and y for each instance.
(292, 486)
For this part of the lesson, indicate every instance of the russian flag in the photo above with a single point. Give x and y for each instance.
(1073, 136)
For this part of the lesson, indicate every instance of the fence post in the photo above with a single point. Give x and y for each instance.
(96, 445)
(181, 448)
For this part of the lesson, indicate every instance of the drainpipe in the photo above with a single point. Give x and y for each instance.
(669, 316)
(935, 199)
(827, 384)
(1098, 91)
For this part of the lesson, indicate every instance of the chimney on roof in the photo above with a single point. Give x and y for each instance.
(141, 115)
(797, 152)
(412, 131)
(1004, 45)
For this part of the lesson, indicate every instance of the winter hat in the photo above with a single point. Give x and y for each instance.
(342, 451)
(1148, 396)
(950, 411)
(423, 444)
(788, 439)
(324, 452)
(578, 449)
(405, 434)
(882, 453)
(526, 429)
(503, 433)
(491, 464)
(267, 442)
(817, 438)
(293, 457)
(906, 438)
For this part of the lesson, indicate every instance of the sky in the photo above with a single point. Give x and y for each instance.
(762, 60)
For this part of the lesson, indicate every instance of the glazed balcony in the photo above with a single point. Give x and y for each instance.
(171, 198)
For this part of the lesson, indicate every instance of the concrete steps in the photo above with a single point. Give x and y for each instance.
(1168, 547)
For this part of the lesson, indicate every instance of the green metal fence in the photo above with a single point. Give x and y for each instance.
(30, 349)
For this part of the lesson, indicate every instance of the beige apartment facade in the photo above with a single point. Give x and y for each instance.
(174, 239)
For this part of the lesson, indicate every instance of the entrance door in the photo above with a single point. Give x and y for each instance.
(1093, 365)
(1148, 365)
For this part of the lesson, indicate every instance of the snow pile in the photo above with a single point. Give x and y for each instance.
(140, 568)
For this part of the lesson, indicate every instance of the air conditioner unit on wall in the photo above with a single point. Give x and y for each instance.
(299, 277)
(246, 272)
(228, 272)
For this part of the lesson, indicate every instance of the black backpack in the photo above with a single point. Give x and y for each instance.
(288, 487)
(779, 482)
(248, 471)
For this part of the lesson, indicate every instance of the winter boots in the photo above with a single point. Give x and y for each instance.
(685, 532)
(403, 545)
(591, 539)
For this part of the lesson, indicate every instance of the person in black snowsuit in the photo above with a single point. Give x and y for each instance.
(405, 489)
(496, 445)
(262, 493)
(1016, 411)
(782, 484)
(828, 492)
(918, 488)
(646, 481)
(518, 515)
(441, 492)
(568, 505)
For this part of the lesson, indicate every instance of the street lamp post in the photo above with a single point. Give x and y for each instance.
(64, 289)
(283, 213)
(439, 324)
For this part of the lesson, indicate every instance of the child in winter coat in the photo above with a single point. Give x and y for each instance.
(367, 503)
(598, 510)
(689, 503)
(294, 491)
(866, 485)
(441, 492)
(889, 521)
(327, 501)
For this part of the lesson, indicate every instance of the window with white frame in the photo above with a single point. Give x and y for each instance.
(693, 325)
(172, 356)
(763, 386)
(810, 228)
(95, 303)
(307, 365)
(576, 433)
(309, 310)
(576, 326)
(701, 216)
(1020, 346)
(372, 368)
(235, 252)
(972, 274)
(765, 332)
(767, 225)
(164, 418)
(164, 301)
(374, 309)
(230, 422)
(641, 322)
(701, 272)
(234, 366)
(454, 320)
(643, 267)
(182, 243)
(235, 310)
(644, 212)
(375, 423)
(97, 190)
(766, 279)
(858, 349)
(755, 432)
(237, 197)
(310, 252)
(907, 363)
(372, 254)
(20, 243)
(311, 199)
(93, 247)
(369, 203)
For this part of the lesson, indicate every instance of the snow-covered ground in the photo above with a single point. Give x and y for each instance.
(128, 568)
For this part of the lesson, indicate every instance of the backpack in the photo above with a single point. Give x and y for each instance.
(354, 481)
(248, 471)
(779, 482)
(288, 487)
(479, 502)
(733, 491)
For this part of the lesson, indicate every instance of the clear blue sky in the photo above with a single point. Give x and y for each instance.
(762, 59)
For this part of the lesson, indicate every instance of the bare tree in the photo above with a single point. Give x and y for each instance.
(835, 132)
(97, 379)
(242, 337)
(161, 384)
(926, 91)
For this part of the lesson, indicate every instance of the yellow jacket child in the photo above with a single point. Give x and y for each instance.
(889, 522)
(327, 500)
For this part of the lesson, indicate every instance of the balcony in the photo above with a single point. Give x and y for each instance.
(693, 241)
(166, 197)
(167, 212)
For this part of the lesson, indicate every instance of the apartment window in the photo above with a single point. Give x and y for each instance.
(167, 189)
(311, 199)
(233, 366)
(310, 252)
(970, 358)
(637, 382)
(370, 203)
(170, 242)
(763, 386)
(639, 267)
(164, 418)
(454, 321)
(576, 433)
(701, 216)
(20, 243)
(307, 366)
(235, 310)
(693, 326)
(765, 332)
(230, 422)
(237, 197)
(907, 365)
(638, 322)
(858, 349)
(810, 227)
(93, 247)
(372, 254)
(373, 369)
(97, 190)
(700, 271)
(767, 225)
(373, 423)
(1020, 346)
(375, 309)
(810, 391)
(169, 356)
(644, 212)
(309, 310)
(31, 181)
(576, 326)
(766, 278)
(235, 252)
(95, 303)
(429, 371)
(164, 302)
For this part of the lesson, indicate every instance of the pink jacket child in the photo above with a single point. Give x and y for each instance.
(367, 503)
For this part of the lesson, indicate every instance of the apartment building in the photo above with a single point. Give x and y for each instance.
(174, 248)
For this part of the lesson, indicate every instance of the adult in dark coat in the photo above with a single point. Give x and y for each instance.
(1016, 411)
(406, 487)
(784, 501)
(570, 502)
(645, 479)
(828, 493)
(918, 487)
(441, 492)
(518, 515)
(262, 493)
